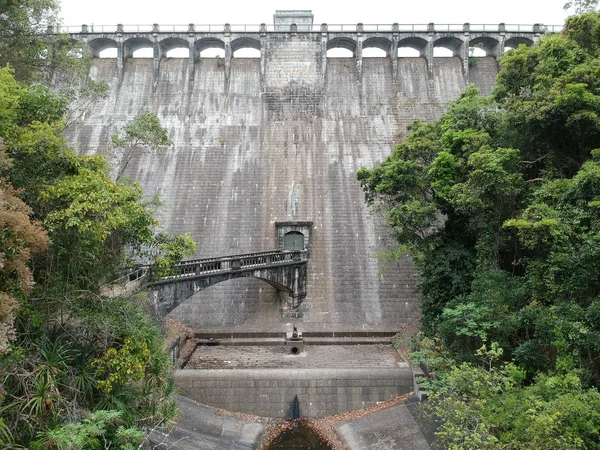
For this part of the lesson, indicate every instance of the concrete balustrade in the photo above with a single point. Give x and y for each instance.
(457, 38)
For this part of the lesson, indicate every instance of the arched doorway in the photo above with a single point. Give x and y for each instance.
(293, 240)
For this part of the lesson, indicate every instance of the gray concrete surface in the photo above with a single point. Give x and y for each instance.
(275, 357)
(202, 428)
(271, 392)
(393, 428)
(240, 153)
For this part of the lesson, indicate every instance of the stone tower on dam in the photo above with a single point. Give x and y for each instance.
(278, 140)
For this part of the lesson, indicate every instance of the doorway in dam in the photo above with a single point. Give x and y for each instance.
(293, 240)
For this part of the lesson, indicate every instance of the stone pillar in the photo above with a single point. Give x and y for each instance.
(359, 41)
(324, 32)
(465, 50)
(428, 52)
(121, 56)
(192, 53)
(502, 38)
(263, 56)
(157, 53)
(394, 51)
(228, 55)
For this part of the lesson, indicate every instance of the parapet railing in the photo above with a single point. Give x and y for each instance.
(205, 266)
(332, 28)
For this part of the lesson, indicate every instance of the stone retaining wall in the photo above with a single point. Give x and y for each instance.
(271, 392)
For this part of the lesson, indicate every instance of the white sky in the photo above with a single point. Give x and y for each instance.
(179, 12)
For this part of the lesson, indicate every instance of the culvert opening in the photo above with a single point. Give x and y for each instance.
(297, 435)
(295, 350)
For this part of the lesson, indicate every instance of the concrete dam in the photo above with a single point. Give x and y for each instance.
(260, 141)
(264, 156)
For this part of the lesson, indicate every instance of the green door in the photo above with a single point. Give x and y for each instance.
(293, 241)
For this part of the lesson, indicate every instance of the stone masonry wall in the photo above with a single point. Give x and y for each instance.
(270, 393)
(280, 144)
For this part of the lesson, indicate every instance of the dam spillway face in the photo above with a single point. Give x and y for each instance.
(278, 138)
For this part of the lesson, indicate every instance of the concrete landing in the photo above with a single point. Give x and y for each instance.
(202, 428)
(313, 357)
(393, 428)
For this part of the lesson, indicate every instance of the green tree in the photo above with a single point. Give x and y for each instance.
(67, 228)
(498, 202)
(25, 43)
(581, 6)
(144, 134)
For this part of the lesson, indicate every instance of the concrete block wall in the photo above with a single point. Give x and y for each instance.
(271, 392)
(242, 148)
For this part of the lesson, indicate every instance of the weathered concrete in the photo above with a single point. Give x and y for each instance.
(280, 138)
(459, 40)
(199, 427)
(271, 392)
(393, 428)
(284, 270)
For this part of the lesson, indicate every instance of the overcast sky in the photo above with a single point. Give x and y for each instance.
(175, 12)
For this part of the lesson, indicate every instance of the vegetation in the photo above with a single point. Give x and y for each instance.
(78, 370)
(498, 202)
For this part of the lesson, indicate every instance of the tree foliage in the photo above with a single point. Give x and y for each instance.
(581, 6)
(79, 370)
(498, 201)
(145, 133)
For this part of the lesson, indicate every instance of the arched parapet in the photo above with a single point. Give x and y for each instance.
(415, 42)
(171, 43)
(133, 44)
(98, 45)
(490, 45)
(515, 41)
(378, 42)
(208, 42)
(452, 43)
(342, 42)
(245, 42)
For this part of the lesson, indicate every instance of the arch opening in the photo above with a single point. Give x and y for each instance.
(339, 52)
(245, 47)
(411, 46)
(376, 47)
(210, 48)
(477, 52)
(408, 52)
(138, 48)
(373, 52)
(178, 53)
(341, 47)
(103, 46)
(484, 46)
(212, 53)
(143, 53)
(173, 47)
(514, 42)
(441, 52)
(108, 53)
(446, 47)
(246, 52)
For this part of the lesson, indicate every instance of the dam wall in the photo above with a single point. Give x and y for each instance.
(279, 138)
(271, 393)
